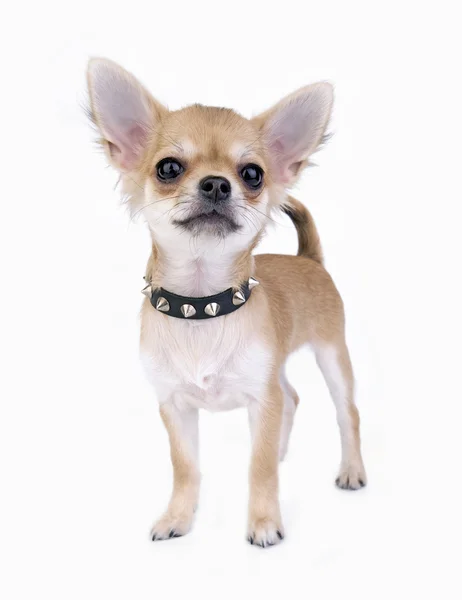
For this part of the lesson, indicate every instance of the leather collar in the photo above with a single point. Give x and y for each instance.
(207, 307)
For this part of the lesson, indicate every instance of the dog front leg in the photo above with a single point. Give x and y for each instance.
(182, 428)
(265, 525)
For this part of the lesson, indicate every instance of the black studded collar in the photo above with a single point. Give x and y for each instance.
(208, 307)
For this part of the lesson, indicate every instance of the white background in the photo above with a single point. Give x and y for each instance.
(84, 458)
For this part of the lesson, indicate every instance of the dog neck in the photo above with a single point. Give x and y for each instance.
(198, 272)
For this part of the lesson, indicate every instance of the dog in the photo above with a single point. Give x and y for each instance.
(218, 323)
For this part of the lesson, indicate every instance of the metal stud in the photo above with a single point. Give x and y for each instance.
(253, 282)
(188, 311)
(238, 298)
(147, 291)
(162, 304)
(212, 309)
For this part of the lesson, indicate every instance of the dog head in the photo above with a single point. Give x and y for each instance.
(203, 173)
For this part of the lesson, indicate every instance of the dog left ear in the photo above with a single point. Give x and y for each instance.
(294, 128)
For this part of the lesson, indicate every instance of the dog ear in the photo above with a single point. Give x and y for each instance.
(294, 128)
(124, 112)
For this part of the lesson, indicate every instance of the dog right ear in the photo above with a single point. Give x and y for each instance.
(125, 113)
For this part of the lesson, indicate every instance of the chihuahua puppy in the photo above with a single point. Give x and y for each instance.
(218, 323)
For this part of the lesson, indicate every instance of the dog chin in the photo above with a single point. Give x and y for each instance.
(212, 223)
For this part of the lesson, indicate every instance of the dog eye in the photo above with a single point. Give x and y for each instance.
(252, 175)
(168, 169)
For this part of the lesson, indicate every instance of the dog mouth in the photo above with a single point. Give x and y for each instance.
(212, 221)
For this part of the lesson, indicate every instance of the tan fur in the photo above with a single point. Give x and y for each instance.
(309, 244)
(304, 305)
(179, 514)
(265, 524)
(296, 303)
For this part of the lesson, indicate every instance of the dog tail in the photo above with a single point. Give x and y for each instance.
(309, 244)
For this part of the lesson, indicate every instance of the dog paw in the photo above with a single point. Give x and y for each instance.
(171, 527)
(351, 477)
(265, 532)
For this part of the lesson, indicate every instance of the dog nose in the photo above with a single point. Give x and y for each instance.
(215, 189)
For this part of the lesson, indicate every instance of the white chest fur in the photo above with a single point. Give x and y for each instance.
(216, 364)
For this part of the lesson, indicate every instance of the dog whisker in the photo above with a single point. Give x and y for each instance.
(152, 203)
